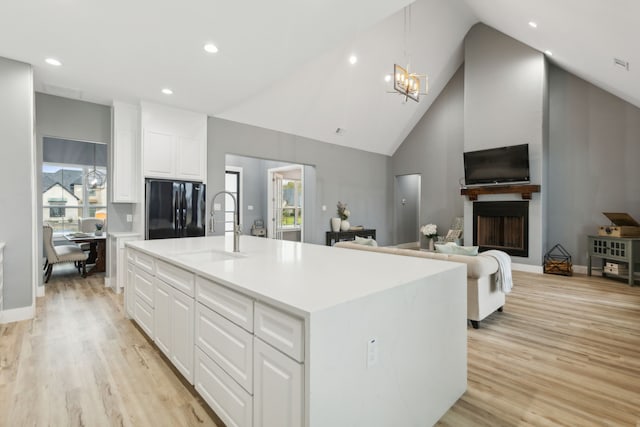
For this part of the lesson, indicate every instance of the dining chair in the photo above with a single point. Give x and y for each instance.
(61, 254)
(88, 225)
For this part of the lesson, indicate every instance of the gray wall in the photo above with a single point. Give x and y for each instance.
(594, 153)
(433, 149)
(504, 97)
(16, 173)
(83, 121)
(358, 178)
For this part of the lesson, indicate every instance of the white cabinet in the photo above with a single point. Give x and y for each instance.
(278, 392)
(124, 168)
(117, 251)
(173, 326)
(129, 290)
(174, 143)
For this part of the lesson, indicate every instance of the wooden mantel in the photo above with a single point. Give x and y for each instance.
(525, 190)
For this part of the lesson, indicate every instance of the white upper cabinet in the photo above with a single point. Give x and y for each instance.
(124, 171)
(174, 143)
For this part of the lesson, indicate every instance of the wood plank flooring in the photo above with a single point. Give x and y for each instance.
(80, 362)
(565, 352)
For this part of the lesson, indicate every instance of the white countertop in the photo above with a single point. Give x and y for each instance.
(302, 277)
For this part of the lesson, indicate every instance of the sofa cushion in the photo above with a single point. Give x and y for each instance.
(452, 248)
(366, 241)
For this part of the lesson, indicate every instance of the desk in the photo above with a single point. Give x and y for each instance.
(97, 252)
(620, 249)
(337, 236)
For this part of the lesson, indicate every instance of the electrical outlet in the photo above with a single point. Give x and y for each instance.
(324, 208)
(372, 352)
(217, 206)
(129, 218)
(250, 207)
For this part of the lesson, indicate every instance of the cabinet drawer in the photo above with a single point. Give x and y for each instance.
(281, 330)
(143, 284)
(229, 401)
(180, 279)
(143, 315)
(232, 305)
(230, 346)
(144, 262)
(131, 255)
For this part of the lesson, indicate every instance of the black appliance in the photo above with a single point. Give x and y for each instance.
(174, 209)
(497, 165)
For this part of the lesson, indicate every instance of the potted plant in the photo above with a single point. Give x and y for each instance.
(99, 229)
(430, 231)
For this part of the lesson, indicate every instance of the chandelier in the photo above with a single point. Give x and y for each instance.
(408, 84)
(95, 179)
(404, 81)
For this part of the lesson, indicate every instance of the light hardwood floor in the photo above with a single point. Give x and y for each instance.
(566, 351)
(80, 362)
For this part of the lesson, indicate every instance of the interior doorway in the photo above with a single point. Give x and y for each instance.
(285, 203)
(407, 208)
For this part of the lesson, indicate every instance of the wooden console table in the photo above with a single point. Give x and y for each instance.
(620, 249)
(336, 236)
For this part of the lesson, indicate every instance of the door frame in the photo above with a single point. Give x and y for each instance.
(238, 170)
(270, 177)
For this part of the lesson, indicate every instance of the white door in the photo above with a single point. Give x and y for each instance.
(162, 317)
(278, 388)
(182, 318)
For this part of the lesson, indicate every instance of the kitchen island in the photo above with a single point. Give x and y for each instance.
(294, 334)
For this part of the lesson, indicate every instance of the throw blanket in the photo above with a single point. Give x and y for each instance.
(503, 276)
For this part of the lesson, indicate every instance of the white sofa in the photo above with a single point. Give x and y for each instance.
(484, 296)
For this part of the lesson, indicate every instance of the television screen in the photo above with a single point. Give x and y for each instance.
(497, 165)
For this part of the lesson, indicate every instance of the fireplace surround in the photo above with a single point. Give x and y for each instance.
(503, 226)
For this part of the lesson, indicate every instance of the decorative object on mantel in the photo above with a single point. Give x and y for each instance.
(525, 190)
(558, 261)
(99, 229)
(430, 231)
(344, 214)
(335, 224)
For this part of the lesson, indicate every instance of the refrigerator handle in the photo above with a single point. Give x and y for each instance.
(183, 210)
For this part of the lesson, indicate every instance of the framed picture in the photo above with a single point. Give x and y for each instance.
(453, 235)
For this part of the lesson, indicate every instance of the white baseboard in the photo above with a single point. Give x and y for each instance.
(583, 269)
(527, 268)
(107, 282)
(39, 291)
(18, 314)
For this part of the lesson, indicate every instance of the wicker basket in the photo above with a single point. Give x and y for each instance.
(558, 261)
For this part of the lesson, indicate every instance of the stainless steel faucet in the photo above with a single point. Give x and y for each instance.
(236, 226)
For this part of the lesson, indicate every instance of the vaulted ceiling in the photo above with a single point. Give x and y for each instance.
(283, 64)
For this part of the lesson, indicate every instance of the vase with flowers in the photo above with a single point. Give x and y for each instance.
(430, 231)
(344, 214)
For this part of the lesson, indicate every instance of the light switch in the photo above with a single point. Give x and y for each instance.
(217, 206)
(324, 208)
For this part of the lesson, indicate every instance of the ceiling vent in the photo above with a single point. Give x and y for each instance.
(621, 63)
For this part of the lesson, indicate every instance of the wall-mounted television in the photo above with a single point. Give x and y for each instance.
(503, 165)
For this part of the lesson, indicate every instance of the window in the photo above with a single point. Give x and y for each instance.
(66, 198)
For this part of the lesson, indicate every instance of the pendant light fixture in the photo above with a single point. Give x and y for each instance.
(406, 82)
(94, 179)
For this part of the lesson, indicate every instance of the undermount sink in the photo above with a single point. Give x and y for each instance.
(208, 255)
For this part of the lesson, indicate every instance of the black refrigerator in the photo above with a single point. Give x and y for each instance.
(174, 209)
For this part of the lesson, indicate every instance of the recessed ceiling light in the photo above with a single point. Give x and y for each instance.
(548, 53)
(387, 78)
(210, 47)
(353, 59)
(533, 24)
(167, 91)
(53, 61)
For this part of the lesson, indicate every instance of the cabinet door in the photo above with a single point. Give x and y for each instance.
(162, 317)
(124, 171)
(182, 322)
(129, 289)
(190, 159)
(278, 388)
(159, 155)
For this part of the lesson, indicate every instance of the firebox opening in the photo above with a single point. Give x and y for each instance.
(503, 226)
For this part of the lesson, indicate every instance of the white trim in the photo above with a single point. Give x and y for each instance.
(583, 269)
(18, 314)
(107, 282)
(240, 191)
(527, 268)
(39, 291)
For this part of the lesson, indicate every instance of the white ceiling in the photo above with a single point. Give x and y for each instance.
(283, 64)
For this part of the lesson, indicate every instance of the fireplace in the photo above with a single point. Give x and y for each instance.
(503, 226)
